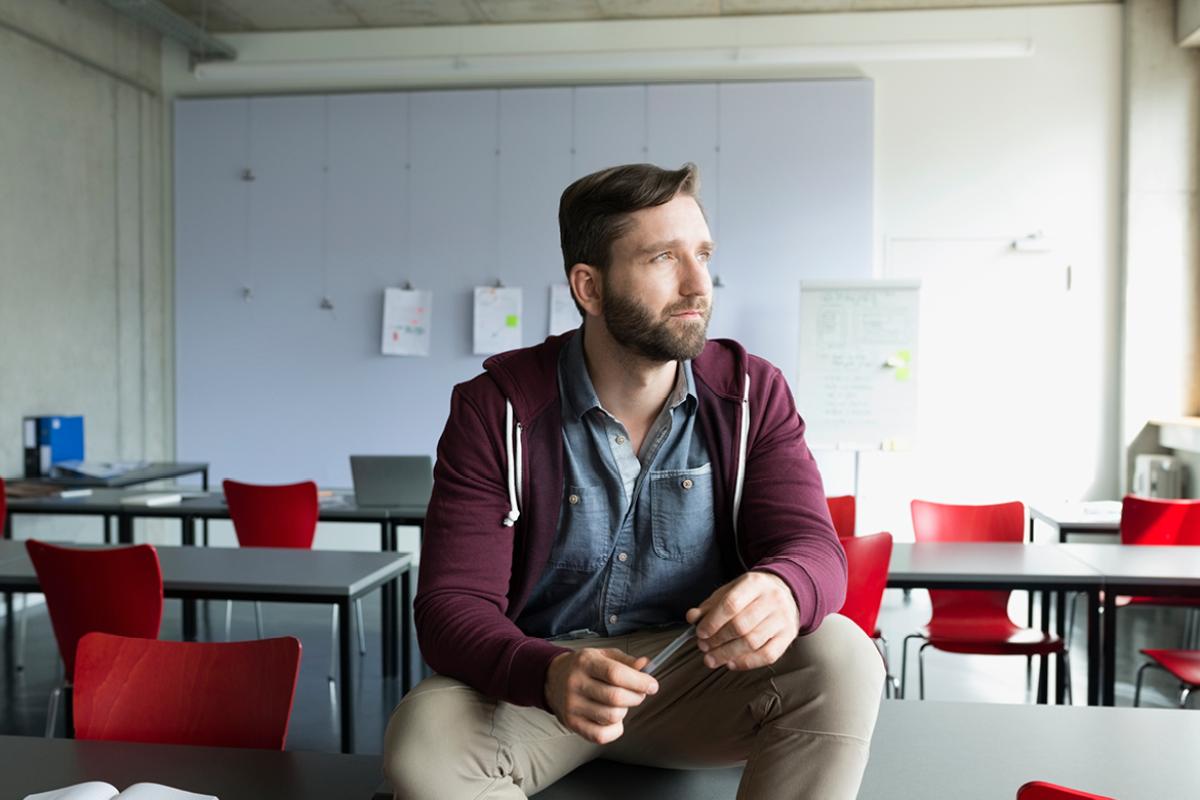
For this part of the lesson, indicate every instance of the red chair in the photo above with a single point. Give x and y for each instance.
(974, 621)
(867, 559)
(280, 516)
(113, 590)
(1038, 790)
(1183, 665)
(842, 511)
(215, 694)
(1153, 522)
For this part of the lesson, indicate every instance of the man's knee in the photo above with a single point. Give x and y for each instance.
(836, 673)
(438, 742)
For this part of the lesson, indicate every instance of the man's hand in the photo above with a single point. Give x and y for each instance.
(591, 690)
(747, 623)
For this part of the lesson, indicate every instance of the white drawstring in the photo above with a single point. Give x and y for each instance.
(514, 464)
(743, 446)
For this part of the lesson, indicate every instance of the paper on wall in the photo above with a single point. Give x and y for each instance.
(497, 319)
(407, 314)
(563, 314)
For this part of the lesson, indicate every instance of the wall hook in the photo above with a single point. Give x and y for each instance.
(326, 304)
(248, 174)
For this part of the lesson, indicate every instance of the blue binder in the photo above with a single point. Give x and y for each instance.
(50, 439)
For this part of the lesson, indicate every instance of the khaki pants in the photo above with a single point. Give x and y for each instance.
(802, 725)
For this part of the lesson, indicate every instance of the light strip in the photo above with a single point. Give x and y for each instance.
(716, 58)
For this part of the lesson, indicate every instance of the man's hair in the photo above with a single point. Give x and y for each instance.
(594, 210)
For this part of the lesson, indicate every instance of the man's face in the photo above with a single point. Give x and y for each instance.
(657, 293)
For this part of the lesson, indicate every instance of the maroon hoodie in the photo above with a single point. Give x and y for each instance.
(479, 565)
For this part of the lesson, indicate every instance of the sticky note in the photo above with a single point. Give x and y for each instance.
(512, 320)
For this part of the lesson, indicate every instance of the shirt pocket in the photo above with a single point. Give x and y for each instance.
(586, 538)
(681, 511)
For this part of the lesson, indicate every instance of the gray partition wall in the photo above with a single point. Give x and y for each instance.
(282, 201)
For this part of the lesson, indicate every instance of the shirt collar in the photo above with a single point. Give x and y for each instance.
(579, 395)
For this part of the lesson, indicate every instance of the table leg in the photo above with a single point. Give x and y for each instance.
(124, 529)
(1043, 690)
(409, 650)
(1060, 627)
(1110, 648)
(8, 606)
(204, 486)
(387, 598)
(1094, 648)
(108, 528)
(346, 673)
(187, 534)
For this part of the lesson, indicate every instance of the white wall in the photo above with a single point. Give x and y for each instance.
(965, 150)
(84, 322)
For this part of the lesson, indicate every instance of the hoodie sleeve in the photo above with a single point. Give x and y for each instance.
(784, 525)
(466, 567)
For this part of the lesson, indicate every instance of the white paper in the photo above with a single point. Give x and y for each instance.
(407, 315)
(564, 316)
(92, 790)
(497, 319)
(156, 791)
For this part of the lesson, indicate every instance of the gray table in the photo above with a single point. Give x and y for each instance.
(1096, 517)
(1135, 570)
(982, 751)
(107, 503)
(154, 471)
(30, 765)
(261, 574)
(1049, 569)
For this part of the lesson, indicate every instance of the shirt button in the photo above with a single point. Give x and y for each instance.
(573, 499)
(612, 619)
(620, 440)
(687, 483)
(622, 556)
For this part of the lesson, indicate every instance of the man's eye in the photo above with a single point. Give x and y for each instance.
(704, 256)
(665, 256)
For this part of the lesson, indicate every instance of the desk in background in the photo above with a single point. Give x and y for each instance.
(1098, 517)
(268, 575)
(107, 503)
(1007, 566)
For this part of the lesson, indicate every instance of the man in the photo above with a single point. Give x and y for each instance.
(595, 492)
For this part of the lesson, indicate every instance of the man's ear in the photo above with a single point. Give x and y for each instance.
(584, 280)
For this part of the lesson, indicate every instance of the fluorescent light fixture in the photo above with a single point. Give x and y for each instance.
(729, 59)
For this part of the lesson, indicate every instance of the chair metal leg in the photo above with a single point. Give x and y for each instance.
(258, 625)
(362, 631)
(1070, 632)
(52, 711)
(904, 663)
(1064, 664)
(228, 617)
(1137, 687)
(921, 670)
(1184, 692)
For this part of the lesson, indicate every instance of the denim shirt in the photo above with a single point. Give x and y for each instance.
(635, 546)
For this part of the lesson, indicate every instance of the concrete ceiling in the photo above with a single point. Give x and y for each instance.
(227, 16)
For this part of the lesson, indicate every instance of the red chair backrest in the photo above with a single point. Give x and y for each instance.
(112, 589)
(867, 559)
(1145, 520)
(1038, 790)
(841, 511)
(218, 694)
(942, 522)
(273, 516)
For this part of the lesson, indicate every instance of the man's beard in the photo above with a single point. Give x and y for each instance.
(638, 330)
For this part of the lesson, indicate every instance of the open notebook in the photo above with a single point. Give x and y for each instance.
(98, 790)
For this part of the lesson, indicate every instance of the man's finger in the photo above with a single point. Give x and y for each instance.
(613, 670)
(764, 656)
(609, 695)
(743, 646)
(599, 713)
(750, 618)
(594, 733)
(736, 596)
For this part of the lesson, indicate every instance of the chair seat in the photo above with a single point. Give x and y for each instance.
(995, 640)
(1183, 664)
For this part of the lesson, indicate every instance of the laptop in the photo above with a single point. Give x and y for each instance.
(391, 480)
